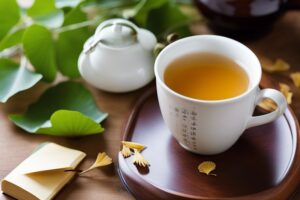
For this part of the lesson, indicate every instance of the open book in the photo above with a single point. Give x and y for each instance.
(42, 174)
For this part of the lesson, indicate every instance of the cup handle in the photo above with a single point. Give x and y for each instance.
(278, 98)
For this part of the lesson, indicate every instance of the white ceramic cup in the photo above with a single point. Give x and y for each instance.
(211, 127)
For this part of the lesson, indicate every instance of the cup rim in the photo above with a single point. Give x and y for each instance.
(232, 99)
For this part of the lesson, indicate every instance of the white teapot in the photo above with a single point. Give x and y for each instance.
(118, 57)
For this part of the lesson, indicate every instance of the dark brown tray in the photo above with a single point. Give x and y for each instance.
(263, 164)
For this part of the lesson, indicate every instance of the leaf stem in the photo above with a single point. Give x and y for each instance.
(11, 51)
(105, 13)
(23, 62)
(78, 25)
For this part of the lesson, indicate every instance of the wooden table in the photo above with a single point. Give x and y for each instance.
(15, 145)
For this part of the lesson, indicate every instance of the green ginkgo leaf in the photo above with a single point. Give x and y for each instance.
(11, 39)
(144, 7)
(39, 48)
(147, 14)
(171, 19)
(43, 115)
(14, 79)
(44, 12)
(67, 3)
(71, 42)
(9, 16)
(71, 124)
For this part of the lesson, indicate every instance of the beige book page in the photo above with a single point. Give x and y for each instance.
(51, 157)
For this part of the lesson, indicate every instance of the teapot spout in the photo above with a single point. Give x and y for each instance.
(146, 39)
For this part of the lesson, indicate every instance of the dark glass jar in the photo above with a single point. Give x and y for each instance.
(242, 17)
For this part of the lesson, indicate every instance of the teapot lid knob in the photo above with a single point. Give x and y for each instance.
(114, 33)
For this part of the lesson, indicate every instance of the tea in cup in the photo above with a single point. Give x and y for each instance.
(208, 88)
(206, 76)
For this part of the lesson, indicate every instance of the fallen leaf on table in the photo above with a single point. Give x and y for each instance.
(139, 159)
(279, 66)
(207, 167)
(67, 109)
(296, 78)
(102, 160)
(125, 151)
(134, 145)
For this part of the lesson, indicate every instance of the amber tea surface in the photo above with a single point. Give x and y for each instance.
(206, 76)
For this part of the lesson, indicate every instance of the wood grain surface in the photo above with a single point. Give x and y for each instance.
(15, 145)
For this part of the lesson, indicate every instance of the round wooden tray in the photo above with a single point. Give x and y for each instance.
(263, 164)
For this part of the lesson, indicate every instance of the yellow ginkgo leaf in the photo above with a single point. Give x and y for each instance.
(296, 78)
(102, 160)
(279, 66)
(270, 105)
(125, 151)
(285, 90)
(139, 159)
(134, 145)
(207, 167)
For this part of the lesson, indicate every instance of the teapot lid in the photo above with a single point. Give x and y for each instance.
(114, 33)
(118, 35)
